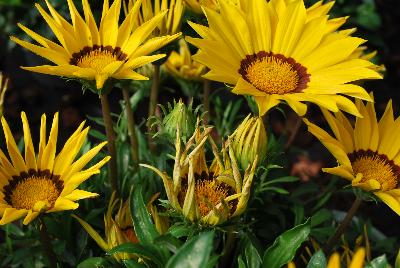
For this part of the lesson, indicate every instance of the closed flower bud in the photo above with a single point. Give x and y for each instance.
(178, 115)
(249, 140)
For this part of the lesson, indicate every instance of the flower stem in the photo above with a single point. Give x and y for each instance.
(206, 99)
(230, 244)
(343, 225)
(112, 164)
(131, 128)
(294, 132)
(46, 243)
(153, 101)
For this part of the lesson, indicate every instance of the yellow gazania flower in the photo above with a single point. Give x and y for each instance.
(3, 88)
(170, 24)
(181, 65)
(368, 154)
(118, 230)
(282, 52)
(47, 182)
(334, 261)
(96, 53)
(206, 195)
(195, 5)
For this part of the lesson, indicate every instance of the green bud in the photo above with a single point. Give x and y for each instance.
(249, 140)
(179, 115)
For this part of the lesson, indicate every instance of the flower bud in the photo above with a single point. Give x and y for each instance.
(249, 140)
(179, 115)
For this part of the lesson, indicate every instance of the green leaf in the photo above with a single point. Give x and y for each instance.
(282, 179)
(318, 260)
(96, 262)
(193, 254)
(145, 230)
(170, 241)
(379, 262)
(241, 263)
(285, 246)
(253, 258)
(144, 250)
(133, 264)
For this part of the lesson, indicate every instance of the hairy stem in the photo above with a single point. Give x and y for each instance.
(46, 243)
(112, 164)
(294, 132)
(343, 226)
(131, 128)
(153, 101)
(206, 99)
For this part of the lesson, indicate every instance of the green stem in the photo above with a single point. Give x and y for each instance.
(112, 164)
(343, 226)
(46, 243)
(206, 99)
(230, 244)
(131, 128)
(294, 132)
(153, 101)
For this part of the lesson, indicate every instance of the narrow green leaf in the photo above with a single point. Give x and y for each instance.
(282, 179)
(285, 246)
(318, 260)
(193, 254)
(133, 264)
(145, 230)
(147, 251)
(379, 262)
(96, 262)
(241, 263)
(253, 258)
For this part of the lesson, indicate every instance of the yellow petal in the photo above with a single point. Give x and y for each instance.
(30, 217)
(12, 214)
(63, 204)
(95, 235)
(80, 194)
(358, 259)
(391, 201)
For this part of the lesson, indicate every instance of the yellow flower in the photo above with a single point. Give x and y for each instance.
(181, 65)
(277, 52)
(47, 182)
(368, 154)
(118, 230)
(250, 141)
(360, 53)
(3, 89)
(334, 261)
(195, 5)
(89, 52)
(206, 195)
(170, 24)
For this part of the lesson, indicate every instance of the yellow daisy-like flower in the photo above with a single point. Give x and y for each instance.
(118, 230)
(368, 153)
(207, 195)
(181, 64)
(334, 261)
(195, 5)
(96, 53)
(278, 51)
(170, 24)
(47, 182)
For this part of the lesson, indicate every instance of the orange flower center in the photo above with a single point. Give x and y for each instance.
(274, 73)
(97, 57)
(25, 190)
(209, 193)
(374, 166)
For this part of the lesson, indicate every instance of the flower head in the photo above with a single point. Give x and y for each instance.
(250, 141)
(3, 88)
(207, 195)
(89, 52)
(368, 153)
(170, 24)
(280, 51)
(178, 115)
(47, 182)
(357, 260)
(118, 229)
(181, 64)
